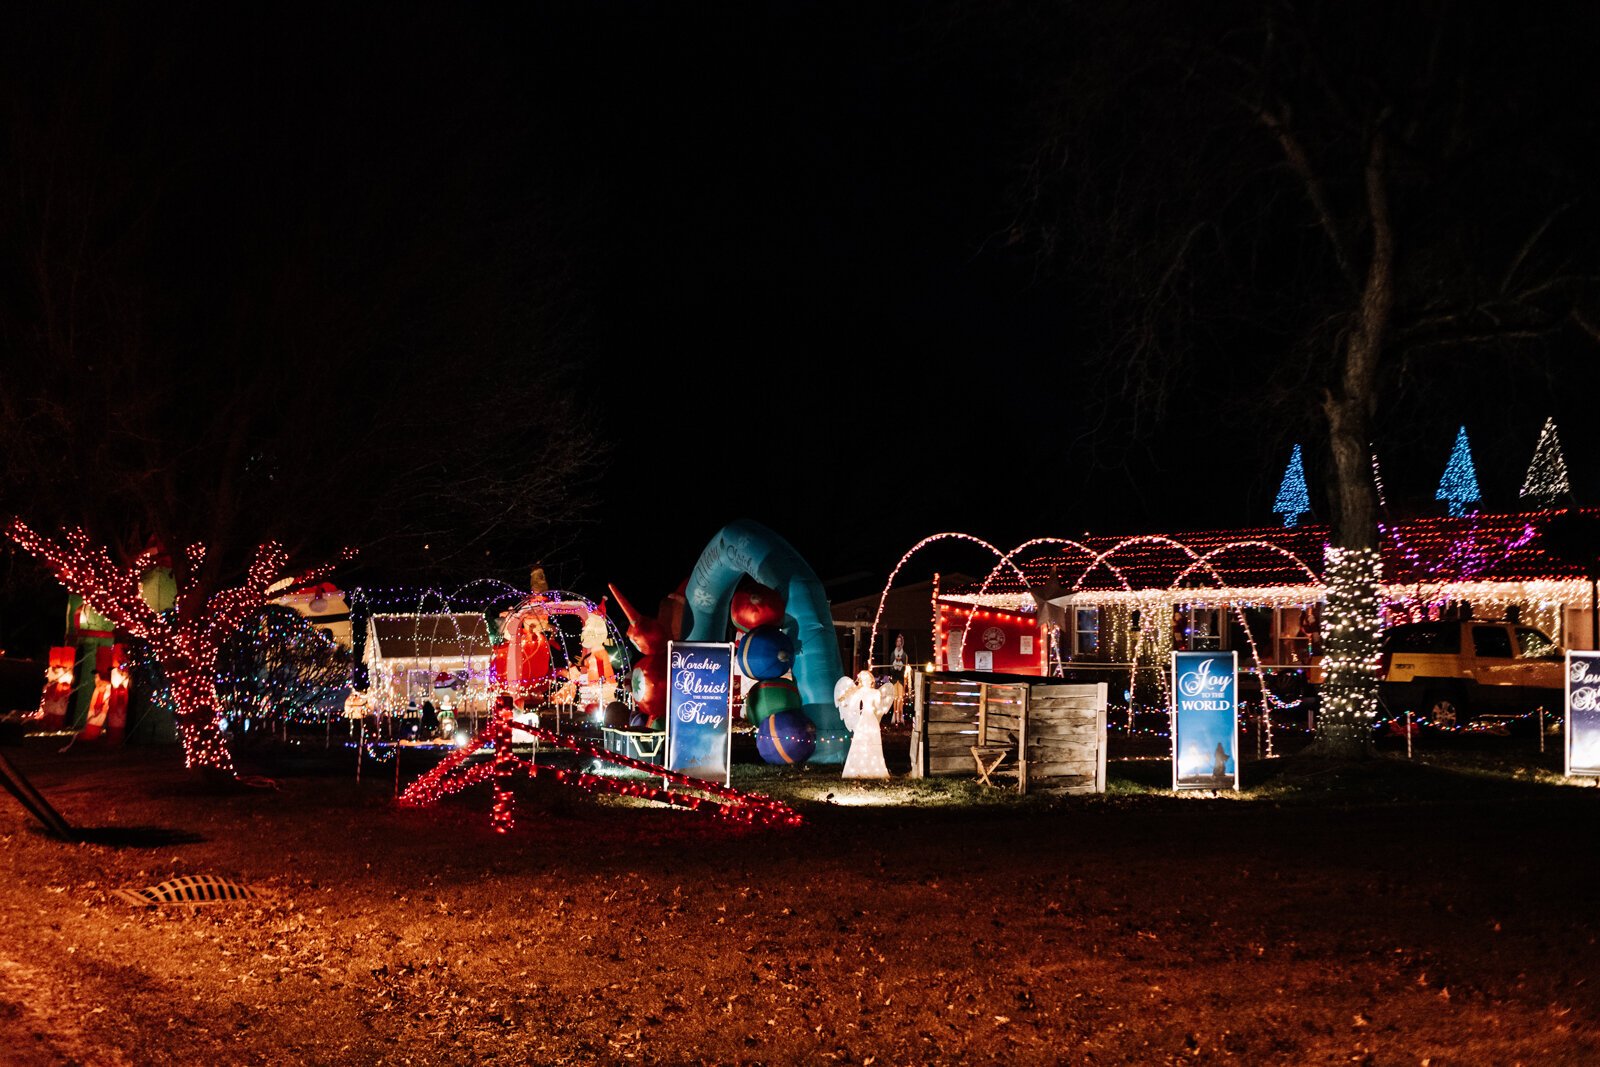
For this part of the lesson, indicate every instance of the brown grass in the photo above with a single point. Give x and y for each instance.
(1403, 915)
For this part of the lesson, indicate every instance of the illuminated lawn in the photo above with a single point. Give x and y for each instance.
(1405, 913)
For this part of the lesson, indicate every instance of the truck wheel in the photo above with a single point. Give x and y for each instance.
(1445, 707)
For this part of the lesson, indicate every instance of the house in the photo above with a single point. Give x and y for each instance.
(1128, 602)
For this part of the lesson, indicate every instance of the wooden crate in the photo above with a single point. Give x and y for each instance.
(1056, 731)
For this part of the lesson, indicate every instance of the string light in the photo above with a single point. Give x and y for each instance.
(1293, 499)
(451, 776)
(1458, 486)
(1546, 482)
(184, 641)
(1352, 636)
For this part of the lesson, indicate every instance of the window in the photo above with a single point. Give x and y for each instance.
(1531, 644)
(1086, 639)
(1491, 642)
(1438, 638)
(1202, 629)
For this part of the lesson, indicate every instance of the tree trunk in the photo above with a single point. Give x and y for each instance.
(1353, 573)
(195, 711)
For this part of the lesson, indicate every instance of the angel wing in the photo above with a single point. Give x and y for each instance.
(846, 699)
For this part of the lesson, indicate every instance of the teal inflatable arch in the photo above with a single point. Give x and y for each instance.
(746, 547)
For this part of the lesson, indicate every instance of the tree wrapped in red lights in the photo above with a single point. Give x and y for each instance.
(184, 641)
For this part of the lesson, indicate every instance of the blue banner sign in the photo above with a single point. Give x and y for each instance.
(1583, 713)
(700, 709)
(1205, 720)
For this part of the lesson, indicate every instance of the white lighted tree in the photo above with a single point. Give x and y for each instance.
(1546, 482)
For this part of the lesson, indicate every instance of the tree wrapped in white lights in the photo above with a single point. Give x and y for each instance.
(1546, 483)
(183, 641)
(1351, 632)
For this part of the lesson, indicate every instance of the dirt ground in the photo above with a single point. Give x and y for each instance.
(1391, 913)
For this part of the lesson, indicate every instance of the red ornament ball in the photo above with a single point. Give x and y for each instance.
(755, 605)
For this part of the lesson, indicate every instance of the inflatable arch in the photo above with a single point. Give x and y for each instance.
(748, 548)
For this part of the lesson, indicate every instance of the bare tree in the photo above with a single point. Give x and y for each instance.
(1335, 200)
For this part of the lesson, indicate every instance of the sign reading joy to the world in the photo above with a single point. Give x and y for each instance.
(700, 709)
(1205, 720)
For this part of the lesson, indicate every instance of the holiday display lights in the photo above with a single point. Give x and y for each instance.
(1293, 499)
(1352, 632)
(1458, 486)
(1546, 482)
(450, 777)
(184, 641)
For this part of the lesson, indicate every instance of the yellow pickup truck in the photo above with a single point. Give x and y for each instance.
(1452, 671)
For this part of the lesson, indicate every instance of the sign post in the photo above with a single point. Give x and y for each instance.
(700, 710)
(1583, 714)
(1205, 720)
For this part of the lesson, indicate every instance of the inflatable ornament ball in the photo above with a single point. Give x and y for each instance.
(765, 699)
(786, 737)
(765, 653)
(640, 721)
(754, 606)
(617, 715)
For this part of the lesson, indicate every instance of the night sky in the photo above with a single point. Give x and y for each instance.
(775, 242)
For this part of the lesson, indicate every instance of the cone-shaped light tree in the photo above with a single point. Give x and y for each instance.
(1293, 499)
(1546, 483)
(1458, 486)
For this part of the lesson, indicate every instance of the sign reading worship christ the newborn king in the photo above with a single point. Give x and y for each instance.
(700, 709)
(1583, 714)
(1205, 720)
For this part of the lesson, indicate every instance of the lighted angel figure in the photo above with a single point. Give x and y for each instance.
(860, 705)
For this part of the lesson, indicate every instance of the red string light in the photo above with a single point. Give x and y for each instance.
(184, 641)
(451, 777)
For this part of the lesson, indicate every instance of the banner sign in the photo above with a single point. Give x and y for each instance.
(1205, 720)
(700, 709)
(1583, 713)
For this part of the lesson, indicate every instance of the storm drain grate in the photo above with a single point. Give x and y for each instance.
(191, 889)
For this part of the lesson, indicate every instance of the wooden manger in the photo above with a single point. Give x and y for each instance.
(1030, 734)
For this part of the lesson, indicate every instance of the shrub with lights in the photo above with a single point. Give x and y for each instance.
(279, 665)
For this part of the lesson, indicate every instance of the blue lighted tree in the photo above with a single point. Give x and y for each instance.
(1293, 500)
(1459, 486)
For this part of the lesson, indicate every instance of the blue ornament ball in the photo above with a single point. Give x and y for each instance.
(764, 653)
(640, 721)
(786, 737)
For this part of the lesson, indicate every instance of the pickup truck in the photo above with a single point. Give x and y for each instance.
(1451, 671)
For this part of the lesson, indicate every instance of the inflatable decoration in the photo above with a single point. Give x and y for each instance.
(617, 715)
(748, 549)
(765, 699)
(57, 687)
(597, 659)
(786, 737)
(755, 605)
(649, 678)
(765, 653)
